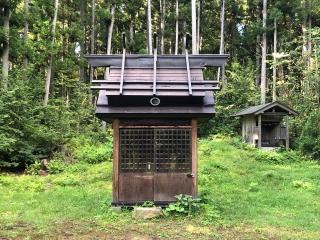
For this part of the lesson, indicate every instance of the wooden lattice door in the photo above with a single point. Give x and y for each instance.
(154, 163)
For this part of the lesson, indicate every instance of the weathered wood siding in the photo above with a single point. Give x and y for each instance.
(166, 74)
(133, 182)
(273, 132)
(249, 129)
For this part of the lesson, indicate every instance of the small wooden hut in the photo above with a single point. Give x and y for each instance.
(266, 125)
(153, 103)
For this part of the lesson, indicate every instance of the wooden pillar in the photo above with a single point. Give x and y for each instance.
(194, 158)
(259, 131)
(287, 132)
(115, 177)
(243, 128)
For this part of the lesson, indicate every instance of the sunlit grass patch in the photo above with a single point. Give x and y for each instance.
(245, 197)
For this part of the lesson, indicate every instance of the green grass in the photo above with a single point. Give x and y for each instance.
(248, 197)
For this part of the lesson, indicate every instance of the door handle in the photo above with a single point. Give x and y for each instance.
(191, 175)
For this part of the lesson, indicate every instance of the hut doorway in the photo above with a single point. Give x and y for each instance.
(155, 163)
(273, 134)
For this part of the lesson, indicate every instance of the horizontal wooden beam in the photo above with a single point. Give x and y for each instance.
(163, 61)
(159, 82)
(159, 87)
(149, 92)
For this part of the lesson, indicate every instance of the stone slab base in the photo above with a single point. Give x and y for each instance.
(146, 212)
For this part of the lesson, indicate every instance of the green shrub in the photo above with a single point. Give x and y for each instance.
(309, 141)
(32, 185)
(94, 153)
(292, 156)
(67, 180)
(239, 143)
(22, 183)
(211, 214)
(4, 181)
(33, 169)
(278, 157)
(239, 92)
(77, 167)
(148, 204)
(56, 166)
(185, 205)
(30, 131)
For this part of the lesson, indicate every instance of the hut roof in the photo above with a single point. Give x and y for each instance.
(163, 61)
(176, 80)
(260, 109)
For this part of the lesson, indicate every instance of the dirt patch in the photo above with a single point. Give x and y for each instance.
(146, 230)
(18, 230)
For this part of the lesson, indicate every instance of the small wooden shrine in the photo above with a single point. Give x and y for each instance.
(266, 125)
(153, 103)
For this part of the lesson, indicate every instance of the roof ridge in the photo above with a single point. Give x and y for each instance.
(263, 107)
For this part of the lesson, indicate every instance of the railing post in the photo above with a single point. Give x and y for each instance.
(123, 63)
(155, 59)
(187, 38)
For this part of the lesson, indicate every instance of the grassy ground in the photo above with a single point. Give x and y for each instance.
(249, 196)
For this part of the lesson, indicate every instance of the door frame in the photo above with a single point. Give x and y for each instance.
(116, 146)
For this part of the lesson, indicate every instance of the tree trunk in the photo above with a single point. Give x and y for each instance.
(258, 49)
(304, 32)
(309, 51)
(49, 70)
(264, 54)
(162, 23)
(198, 26)
(317, 84)
(194, 26)
(26, 32)
(221, 51)
(110, 33)
(184, 29)
(258, 56)
(110, 29)
(274, 67)
(131, 31)
(82, 40)
(309, 38)
(92, 38)
(149, 24)
(177, 29)
(304, 49)
(5, 54)
(306, 44)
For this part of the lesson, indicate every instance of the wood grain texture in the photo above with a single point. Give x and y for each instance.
(115, 177)
(153, 127)
(259, 131)
(153, 185)
(287, 133)
(164, 61)
(155, 122)
(161, 74)
(168, 185)
(135, 187)
(194, 158)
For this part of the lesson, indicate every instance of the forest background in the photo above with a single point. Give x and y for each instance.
(47, 108)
